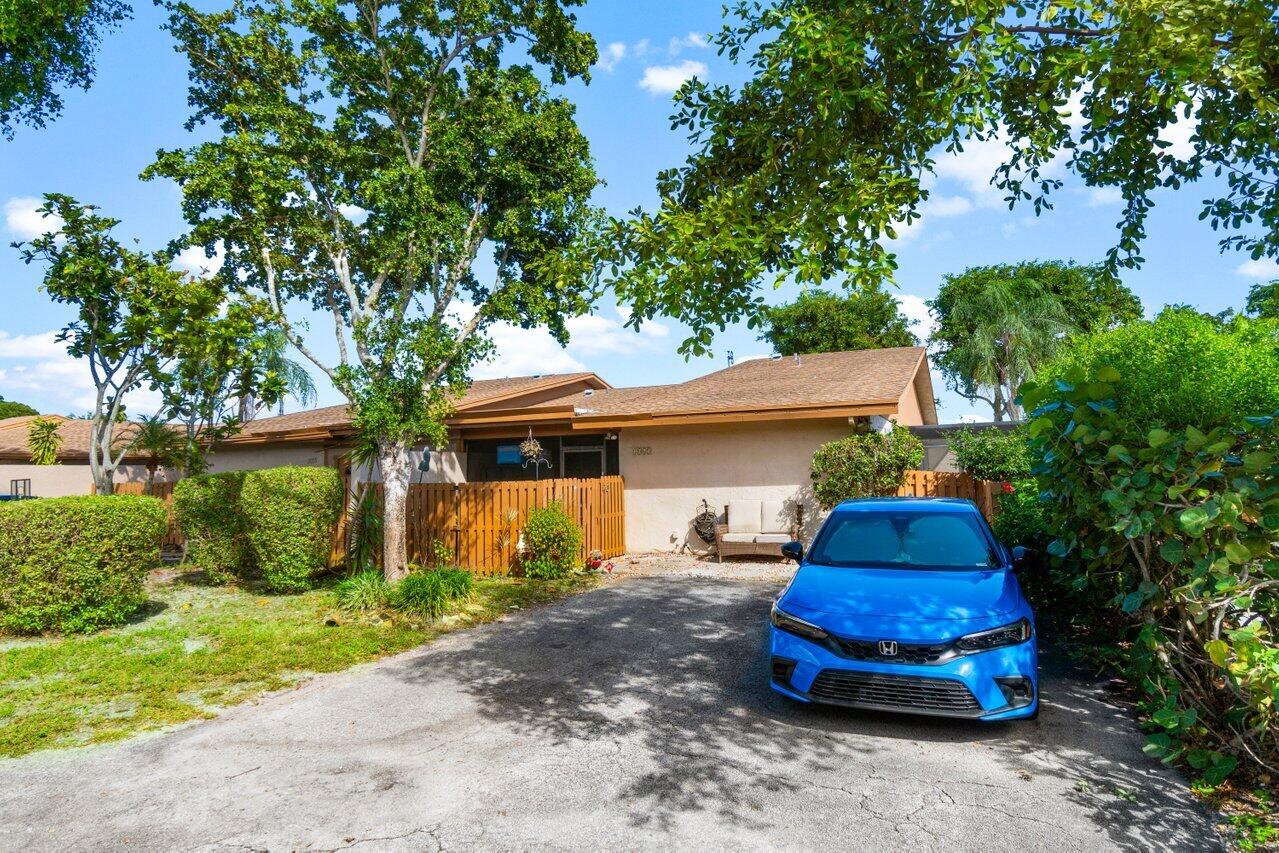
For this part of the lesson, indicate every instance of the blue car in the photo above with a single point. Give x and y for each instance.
(911, 605)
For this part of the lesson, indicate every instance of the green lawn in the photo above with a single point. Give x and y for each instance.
(196, 649)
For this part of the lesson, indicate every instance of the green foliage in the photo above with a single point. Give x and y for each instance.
(45, 46)
(160, 443)
(289, 514)
(992, 453)
(137, 321)
(440, 123)
(820, 321)
(363, 592)
(997, 324)
(78, 563)
(44, 441)
(11, 409)
(1263, 300)
(864, 465)
(554, 542)
(1174, 526)
(208, 511)
(1182, 369)
(431, 594)
(809, 167)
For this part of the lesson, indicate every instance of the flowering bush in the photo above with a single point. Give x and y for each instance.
(864, 465)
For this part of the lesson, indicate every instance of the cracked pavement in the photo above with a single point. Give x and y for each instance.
(636, 716)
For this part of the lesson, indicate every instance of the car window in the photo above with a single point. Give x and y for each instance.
(914, 540)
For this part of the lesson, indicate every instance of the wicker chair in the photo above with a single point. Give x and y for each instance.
(756, 528)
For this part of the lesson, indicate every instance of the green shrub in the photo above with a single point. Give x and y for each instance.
(289, 515)
(864, 465)
(1172, 527)
(431, 594)
(78, 563)
(1181, 369)
(363, 592)
(992, 453)
(554, 543)
(207, 509)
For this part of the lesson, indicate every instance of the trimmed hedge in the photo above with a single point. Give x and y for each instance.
(289, 514)
(207, 508)
(77, 563)
(553, 540)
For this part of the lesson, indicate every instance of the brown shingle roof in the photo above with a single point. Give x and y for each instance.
(75, 434)
(831, 379)
(481, 391)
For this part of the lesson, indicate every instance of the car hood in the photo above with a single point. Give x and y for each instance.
(904, 594)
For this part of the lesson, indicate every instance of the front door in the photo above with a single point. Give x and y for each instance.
(582, 462)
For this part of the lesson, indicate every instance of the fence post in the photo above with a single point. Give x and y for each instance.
(457, 526)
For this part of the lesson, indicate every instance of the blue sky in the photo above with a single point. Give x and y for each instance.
(138, 104)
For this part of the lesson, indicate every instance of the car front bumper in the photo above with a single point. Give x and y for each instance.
(967, 686)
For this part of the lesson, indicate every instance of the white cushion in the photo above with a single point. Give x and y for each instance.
(738, 537)
(772, 538)
(775, 518)
(743, 517)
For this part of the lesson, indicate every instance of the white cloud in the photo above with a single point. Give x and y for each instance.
(38, 371)
(1178, 134)
(21, 215)
(666, 79)
(353, 212)
(922, 323)
(641, 48)
(195, 261)
(1104, 196)
(947, 205)
(611, 55)
(975, 166)
(972, 419)
(1260, 269)
(693, 39)
(523, 352)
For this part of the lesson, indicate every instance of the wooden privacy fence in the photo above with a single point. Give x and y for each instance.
(951, 484)
(480, 523)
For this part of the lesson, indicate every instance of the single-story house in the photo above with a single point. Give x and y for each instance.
(70, 476)
(748, 431)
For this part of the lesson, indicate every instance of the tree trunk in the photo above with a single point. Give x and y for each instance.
(998, 405)
(103, 474)
(150, 486)
(393, 459)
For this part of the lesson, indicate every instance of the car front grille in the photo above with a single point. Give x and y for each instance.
(912, 653)
(895, 692)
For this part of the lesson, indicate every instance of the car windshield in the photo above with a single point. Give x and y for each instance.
(904, 540)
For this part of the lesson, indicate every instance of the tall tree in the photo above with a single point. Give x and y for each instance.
(821, 321)
(46, 46)
(996, 325)
(13, 409)
(1263, 300)
(365, 152)
(137, 320)
(296, 381)
(805, 170)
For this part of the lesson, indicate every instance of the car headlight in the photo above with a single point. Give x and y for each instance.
(1008, 635)
(795, 625)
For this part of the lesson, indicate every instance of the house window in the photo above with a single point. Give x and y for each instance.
(508, 454)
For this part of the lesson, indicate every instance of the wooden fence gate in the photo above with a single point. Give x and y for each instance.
(951, 484)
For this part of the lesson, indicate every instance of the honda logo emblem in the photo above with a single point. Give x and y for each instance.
(888, 648)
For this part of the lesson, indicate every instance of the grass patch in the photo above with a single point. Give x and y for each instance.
(202, 648)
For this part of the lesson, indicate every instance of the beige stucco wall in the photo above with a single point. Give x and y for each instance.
(669, 470)
(447, 466)
(908, 410)
(251, 457)
(59, 481)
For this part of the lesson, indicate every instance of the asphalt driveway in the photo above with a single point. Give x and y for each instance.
(633, 717)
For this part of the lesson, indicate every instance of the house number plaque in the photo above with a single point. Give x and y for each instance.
(643, 450)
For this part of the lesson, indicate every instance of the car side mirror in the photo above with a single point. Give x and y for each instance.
(1019, 555)
(793, 551)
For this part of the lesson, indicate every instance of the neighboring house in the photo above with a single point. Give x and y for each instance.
(936, 441)
(748, 431)
(71, 475)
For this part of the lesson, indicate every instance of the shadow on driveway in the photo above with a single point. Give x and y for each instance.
(660, 687)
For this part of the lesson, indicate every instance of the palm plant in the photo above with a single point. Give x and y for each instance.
(1011, 333)
(162, 445)
(297, 381)
(44, 440)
